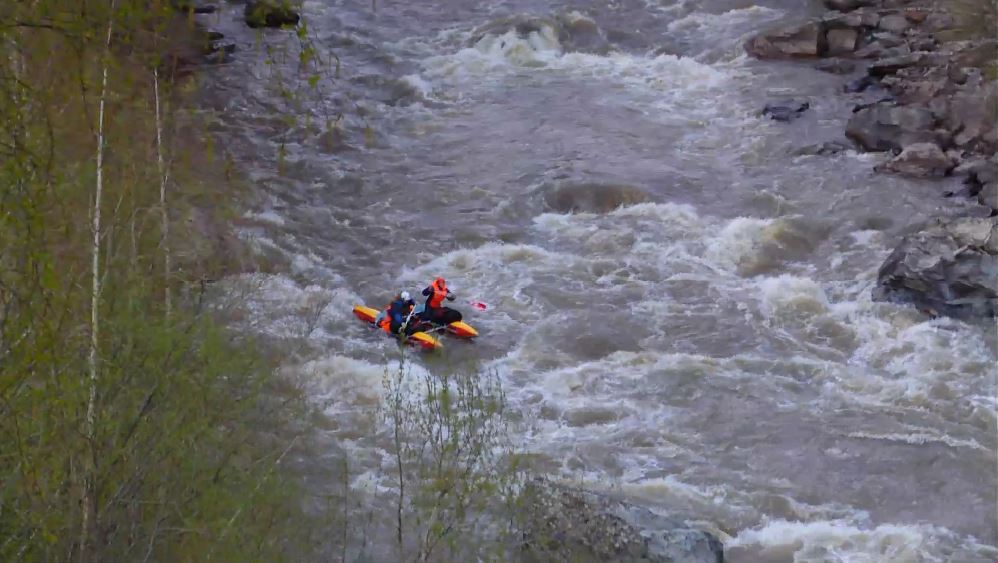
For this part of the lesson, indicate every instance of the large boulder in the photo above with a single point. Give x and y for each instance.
(840, 42)
(920, 160)
(884, 126)
(801, 41)
(567, 524)
(949, 268)
(270, 13)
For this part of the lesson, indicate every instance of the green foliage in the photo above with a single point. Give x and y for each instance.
(186, 457)
(455, 474)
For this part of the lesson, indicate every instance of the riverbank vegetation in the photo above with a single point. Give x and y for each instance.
(132, 425)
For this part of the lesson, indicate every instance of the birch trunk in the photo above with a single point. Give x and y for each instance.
(163, 175)
(89, 488)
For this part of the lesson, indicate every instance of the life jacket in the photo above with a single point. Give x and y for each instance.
(386, 321)
(395, 307)
(439, 293)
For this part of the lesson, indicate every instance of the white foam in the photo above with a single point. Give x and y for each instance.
(269, 216)
(738, 242)
(722, 24)
(841, 540)
(789, 296)
(920, 439)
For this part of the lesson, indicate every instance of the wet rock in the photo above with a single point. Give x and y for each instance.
(840, 42)
(786, 111)
(836, 66)
(894, 23)
(270, 13)
(882, 48)
(801, 41)
(847, 5)
(219, 51)
(591, 197)
(891, 65)
(884, 126)
(920, 92)
(827, 148)
(861, 84)
(191, 6)
(920, 160)
(567, 524)
(950, 268)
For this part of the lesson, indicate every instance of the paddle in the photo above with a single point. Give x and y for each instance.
(481, 306)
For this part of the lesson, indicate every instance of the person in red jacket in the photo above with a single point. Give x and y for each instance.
(435, 311)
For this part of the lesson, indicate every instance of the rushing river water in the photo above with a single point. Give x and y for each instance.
(680, 308)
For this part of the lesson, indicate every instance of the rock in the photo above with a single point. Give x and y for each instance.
(801, 41)
(859, 85)
(982, 181)
(884, 126)
(786, 111)
(191, 6)
(568, 524)
(847, 5)
(591, 197)
(890, 65)
(895, 23)
(977, 53)
(949, 268)
(916, 15)
(836, 66)
(988, 197)
(270, 13)
(863, 20)
(840, 42)
(917, 91)
(212, 35)
(219, 51)
(971, 114)
(920, 160)
(882, 44)
(923, 43)
(827, 148)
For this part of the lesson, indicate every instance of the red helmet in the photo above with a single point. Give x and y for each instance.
(439, 283)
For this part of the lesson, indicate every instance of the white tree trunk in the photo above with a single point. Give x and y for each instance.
(163, 175)
(89, 502)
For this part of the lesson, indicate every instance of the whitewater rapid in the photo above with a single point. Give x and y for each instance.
(679, 309)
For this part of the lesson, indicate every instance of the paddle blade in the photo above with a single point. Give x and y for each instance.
(479, 305)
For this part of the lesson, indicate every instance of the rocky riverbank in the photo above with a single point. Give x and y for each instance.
(935, 66)
(570, 524)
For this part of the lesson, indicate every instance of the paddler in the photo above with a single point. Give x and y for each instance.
(435, 294)
(396, 315)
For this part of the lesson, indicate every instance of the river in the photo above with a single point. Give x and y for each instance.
(680, 308)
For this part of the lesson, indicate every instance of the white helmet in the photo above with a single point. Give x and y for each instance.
(405, 296)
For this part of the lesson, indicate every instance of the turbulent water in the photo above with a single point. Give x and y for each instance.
(679, 307)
